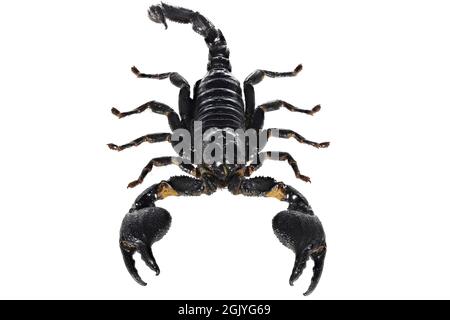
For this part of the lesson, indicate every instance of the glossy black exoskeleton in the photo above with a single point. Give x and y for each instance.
(218, 105)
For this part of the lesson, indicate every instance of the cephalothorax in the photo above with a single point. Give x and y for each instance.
(217, 104)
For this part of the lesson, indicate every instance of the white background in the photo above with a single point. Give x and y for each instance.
(381, 71)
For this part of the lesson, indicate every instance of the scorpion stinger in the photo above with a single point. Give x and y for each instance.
(218, 105)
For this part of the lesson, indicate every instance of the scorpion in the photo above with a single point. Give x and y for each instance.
(218, 104)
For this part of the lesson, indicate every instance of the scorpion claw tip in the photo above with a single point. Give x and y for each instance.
(142, 283)
(130, 265)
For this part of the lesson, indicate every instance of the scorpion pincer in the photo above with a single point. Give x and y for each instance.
(218, 105)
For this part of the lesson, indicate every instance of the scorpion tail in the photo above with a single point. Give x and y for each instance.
(218, 50)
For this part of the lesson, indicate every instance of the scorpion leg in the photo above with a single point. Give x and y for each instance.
(297, 227)
(279, 156)
(151, 138)
(161, 162)
(145, 224)
(184, 99)
(286, 134)
(256, 77)
(175, 78)
(156, 107)
(257, 120)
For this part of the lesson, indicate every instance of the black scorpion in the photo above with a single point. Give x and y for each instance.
(217, 103)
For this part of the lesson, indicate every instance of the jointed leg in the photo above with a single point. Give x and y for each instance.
(161, 162)
(145, 224)
(156, 107)
(150, 138)
(297, 227)
(286, 134)
(258, 116)
(258, 75)
(175, 78)
(255, 78)
(277, 104)
(279, 156)
(184, 99)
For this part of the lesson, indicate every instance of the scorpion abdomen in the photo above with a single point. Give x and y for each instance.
(218, 101)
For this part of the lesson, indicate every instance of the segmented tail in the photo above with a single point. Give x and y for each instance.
(218, 50)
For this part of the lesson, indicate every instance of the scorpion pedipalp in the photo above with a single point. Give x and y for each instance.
(297, 227)
(303, 234)
(140, 229)
(146, 224)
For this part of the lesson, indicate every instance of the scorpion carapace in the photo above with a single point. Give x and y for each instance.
(217, 105)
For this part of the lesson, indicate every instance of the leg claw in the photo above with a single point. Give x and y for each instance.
(134, 183)
(304, 178)
(113, 146)
(323, 145)
(116, 112)
(135, 71)
(315, 109)
(298, 69)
